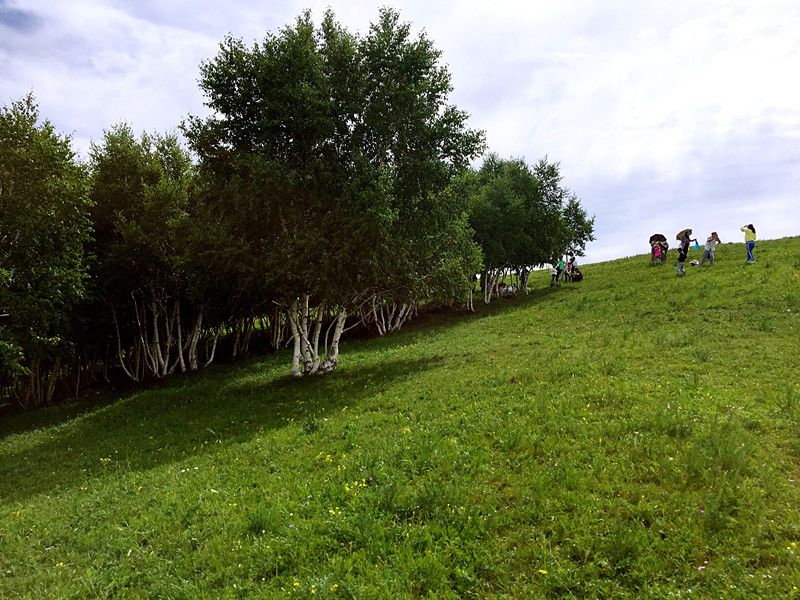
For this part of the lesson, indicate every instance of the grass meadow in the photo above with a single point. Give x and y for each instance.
(636, 435)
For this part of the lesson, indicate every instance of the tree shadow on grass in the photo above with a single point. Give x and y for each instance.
(13, 421)
(156, 427)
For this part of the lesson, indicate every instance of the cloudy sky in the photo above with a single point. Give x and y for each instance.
(663, 115)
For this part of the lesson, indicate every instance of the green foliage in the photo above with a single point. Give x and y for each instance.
(324, 162)
(140, 194)
(558, 445)
(148, 281)
(44, 225)
(523, 217)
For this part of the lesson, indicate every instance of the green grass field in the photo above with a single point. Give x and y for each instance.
(633, 436)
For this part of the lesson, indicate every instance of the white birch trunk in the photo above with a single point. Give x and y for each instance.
(490, 284)
(181, 362)
(131, 373)
(193, 341)
(292, 316)
(277, 328)
(306, 330)
(213, 350)
(330, 362)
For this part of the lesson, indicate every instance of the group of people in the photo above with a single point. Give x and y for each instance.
(566, 270)
(658, 246)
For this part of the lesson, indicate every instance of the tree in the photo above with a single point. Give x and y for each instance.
(140, 192)
(325, 156)
(576, 228)
(44, 207)
(522, 217)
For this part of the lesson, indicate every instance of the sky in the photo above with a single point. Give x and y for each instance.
(662, 115)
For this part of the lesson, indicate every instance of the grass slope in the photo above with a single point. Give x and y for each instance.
(636, 435)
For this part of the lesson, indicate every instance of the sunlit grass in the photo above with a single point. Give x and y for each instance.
(635, 435)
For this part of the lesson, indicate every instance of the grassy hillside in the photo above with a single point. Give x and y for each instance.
(635, 435)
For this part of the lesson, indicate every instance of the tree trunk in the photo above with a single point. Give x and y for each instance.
(306, 330)
(194, 339)
(295, 327)
(213, 350)
(276, 337)
(180, 347)
(332, 360)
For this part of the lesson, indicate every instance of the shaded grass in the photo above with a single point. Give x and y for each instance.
(635, 435)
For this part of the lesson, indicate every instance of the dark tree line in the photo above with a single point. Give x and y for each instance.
(330, 188)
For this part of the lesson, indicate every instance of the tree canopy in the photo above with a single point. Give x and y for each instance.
(522, 216)
(44, 206)
(327, 156)
(331, 187)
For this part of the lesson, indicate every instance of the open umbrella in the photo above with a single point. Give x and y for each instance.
(683, 233)
(657, 237)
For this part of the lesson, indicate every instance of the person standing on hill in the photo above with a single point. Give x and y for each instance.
(560, 266)
(553, 275)
(711, 244)
(683, 249)
(750, 240)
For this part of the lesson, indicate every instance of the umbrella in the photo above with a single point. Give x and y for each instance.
(658, 237)
(683, 233)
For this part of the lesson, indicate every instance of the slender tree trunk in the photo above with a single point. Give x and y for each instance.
(78, 376)
(306, 330)
(213, 350)
(52, 379)
(277, 328)
(293, 324)
(524, 283)
(332, 360)
(194, 340)
(179, 346)
(235, 350)
(315, 346)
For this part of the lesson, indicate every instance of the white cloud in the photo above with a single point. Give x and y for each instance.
(663, 115)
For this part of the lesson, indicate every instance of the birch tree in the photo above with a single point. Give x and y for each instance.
(522, 217)
(140, 191)
(324, 151)
(43, 227)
